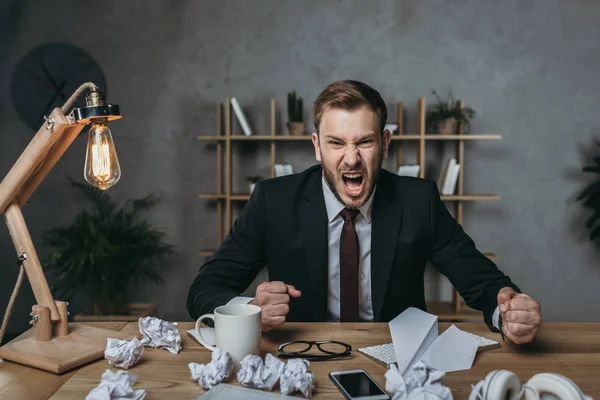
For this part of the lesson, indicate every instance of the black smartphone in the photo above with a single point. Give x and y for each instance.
(356, 384)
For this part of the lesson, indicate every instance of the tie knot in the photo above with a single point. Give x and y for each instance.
(349, 215)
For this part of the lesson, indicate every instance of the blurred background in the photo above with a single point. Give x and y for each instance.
(527, 68)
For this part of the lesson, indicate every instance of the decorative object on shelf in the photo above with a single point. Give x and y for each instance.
(409, 170)
(447, 117)
(283, 169)
(590, 196)
(252, 181)
(393, 128)
(296, 125)
(241, 117)
(448, 177)
(53, 344)
(105, 250)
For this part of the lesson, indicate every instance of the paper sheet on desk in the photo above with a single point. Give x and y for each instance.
(453, 350)
(207, 333)
(415, 337)
(412, 331)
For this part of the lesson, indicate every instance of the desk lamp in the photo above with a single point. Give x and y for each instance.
(53, 344)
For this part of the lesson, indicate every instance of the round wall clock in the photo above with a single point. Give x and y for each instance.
(47, 76)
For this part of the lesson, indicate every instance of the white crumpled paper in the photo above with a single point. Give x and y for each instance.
(116, 386)
(420, 382)
(296, 377)
(213, 373)
(160, 334)
(256, 374)
(123, 353)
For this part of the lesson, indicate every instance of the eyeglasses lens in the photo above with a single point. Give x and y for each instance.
(332, 348)
(296, 347)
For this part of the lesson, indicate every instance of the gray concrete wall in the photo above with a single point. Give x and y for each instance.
(529, 68)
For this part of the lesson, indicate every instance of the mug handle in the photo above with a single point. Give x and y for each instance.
(201, 339)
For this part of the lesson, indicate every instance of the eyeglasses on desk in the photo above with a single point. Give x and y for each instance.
(331, 349)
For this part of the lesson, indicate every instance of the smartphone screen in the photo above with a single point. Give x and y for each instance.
(358, 384)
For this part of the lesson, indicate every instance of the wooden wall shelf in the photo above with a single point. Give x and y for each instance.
(225, 197)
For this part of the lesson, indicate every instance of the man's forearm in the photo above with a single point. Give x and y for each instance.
(204, 297)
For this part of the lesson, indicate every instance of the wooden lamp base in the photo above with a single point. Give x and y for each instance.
(63, 353)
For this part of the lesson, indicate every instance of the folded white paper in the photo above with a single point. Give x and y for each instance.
(160, 334)
(123, 353)
(296, 377)
(412, 331)
(256, 374)
(116, 386)
(453, 350)
(207, 333)
(213, 373)
(420, 382)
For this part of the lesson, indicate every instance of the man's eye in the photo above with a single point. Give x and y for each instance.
(335, 143)
(366, 142)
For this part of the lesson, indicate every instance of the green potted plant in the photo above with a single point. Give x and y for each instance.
(105, 250)
(590, 196)
(296, 125)
(252, 181)
(447, 117)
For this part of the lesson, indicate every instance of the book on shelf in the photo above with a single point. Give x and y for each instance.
(448, 177)
(240, 116)
(409, 170)
(283, 169)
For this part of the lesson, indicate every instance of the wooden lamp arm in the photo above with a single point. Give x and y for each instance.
(31, 168)
(31, 157)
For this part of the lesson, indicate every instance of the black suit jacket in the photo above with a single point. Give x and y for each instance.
(284, 226)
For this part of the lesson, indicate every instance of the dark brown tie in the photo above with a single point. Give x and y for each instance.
(349, 260)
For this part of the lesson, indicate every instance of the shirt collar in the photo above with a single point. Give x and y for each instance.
(334, 206)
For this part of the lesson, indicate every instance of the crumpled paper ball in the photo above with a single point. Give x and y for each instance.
(213, 373)
(160, 334)
(256, 374)
(420, 382)
(123, 353)
(116, 386)
(296, 377)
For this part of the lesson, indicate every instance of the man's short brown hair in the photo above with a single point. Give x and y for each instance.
(349, 95)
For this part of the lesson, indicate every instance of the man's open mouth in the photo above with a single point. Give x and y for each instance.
(354, 183)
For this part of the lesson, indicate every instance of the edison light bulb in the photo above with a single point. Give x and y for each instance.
(101, 163)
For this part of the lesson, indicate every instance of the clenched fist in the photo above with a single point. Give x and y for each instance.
(521, 317)
(274, 300)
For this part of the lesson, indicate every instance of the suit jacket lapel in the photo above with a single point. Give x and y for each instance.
(386, 219)
(313, 223)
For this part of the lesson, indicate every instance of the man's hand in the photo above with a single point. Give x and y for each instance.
(520, 315)
(274, 298)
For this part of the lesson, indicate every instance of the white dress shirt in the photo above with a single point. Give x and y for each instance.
(362, 225)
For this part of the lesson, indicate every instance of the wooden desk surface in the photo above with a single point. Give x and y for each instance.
(571, 349)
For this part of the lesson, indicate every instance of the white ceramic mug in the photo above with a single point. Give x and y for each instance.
(237, 330)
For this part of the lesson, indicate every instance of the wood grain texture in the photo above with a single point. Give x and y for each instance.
(42, 326)
(54, 154)
(21, 382)
(61, 328)
(83, 344)
(571, 349)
